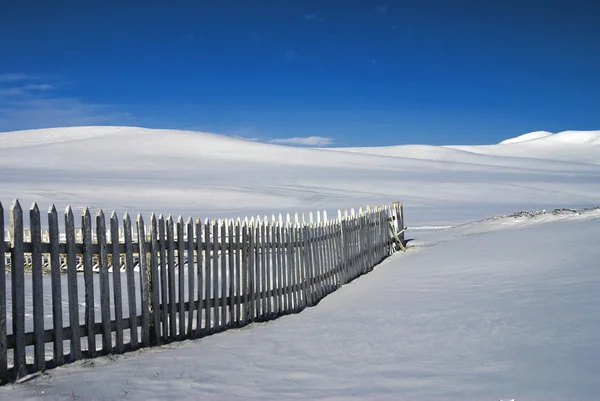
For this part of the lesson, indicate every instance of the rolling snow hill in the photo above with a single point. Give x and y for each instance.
(201, 174)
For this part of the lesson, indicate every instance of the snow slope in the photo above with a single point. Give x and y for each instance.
(200, 174)
(500, 309)
(495, 309)
(527, 137)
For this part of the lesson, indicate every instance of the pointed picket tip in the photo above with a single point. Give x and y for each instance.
(69, 211)
(310, 217)
(169, 219)
(51, 209)
(34, 208)
(266, 219)
(140, 218)
(230, 223)
(100, 214)
(360, 211)
(190, 220)
(325, 216)
(340, 214)
(113, 215)
(303, 219)
(16, 206)
(288, 218)
(126, 217)
(280, 219)
(273, 219)
(179, 220)
(296, 219)
(318, 216)
(206, 221)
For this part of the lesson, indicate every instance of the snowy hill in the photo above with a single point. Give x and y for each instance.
(202, 174)
(509, 303)
(527, 137)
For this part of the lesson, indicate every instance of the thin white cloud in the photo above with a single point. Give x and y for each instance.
(303, 141)
(313, 17)
(26, 103)
(13, 77)
(382, 9)
(23, 90)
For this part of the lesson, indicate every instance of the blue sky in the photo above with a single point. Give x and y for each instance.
(351, 72)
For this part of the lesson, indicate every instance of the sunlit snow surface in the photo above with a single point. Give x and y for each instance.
(477, 309)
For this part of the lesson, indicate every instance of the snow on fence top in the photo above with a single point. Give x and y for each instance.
(168, 281)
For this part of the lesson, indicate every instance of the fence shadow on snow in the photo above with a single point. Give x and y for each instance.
(171, 281)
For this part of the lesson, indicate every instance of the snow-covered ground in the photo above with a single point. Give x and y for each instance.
(477, 309)
(501, 309)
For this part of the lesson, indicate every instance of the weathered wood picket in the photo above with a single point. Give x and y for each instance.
(169, 281)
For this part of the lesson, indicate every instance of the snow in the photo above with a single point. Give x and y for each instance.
(527, 137)
(478, 308)
(501, 309)
(134, 170)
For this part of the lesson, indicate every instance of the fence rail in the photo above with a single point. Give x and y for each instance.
(150, 285)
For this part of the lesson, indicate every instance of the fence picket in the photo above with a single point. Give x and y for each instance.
(172, 306)
(263, 268)
(238, 275)
(75, 343)
(245, 269)
(117, 295)
(273, 302)
(133, 332)
(257, 267)
(37, 287)
(223, 299)
(164, 286)
(104, 283)
(191, 278)
(3, 295)
(88, 277)
(208, 280)
(215, 323)
(231, 281)
(181, 278)
(199, 273)
(144, 281)
(295, 277)
(17, 259)
(153, 285)
(279, 269)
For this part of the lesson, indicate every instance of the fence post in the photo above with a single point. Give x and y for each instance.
(3, 334)
(18, 287)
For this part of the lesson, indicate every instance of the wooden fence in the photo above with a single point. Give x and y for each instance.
(167, 282)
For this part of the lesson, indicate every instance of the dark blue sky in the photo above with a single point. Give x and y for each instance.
(358, 72)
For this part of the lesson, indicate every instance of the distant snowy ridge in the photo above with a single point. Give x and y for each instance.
(564, 137)
(527, 137)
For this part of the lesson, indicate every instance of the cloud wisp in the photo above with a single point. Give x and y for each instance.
(31, 101)
(303, 141)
